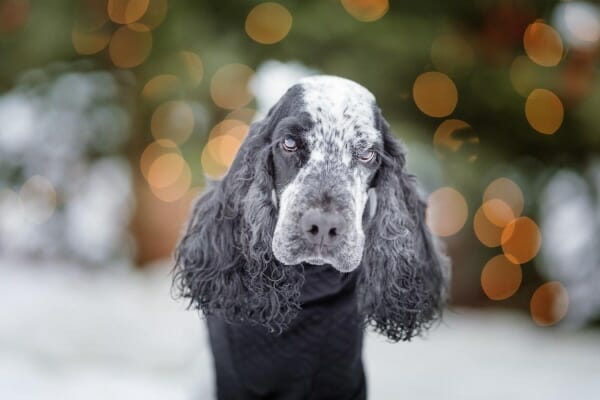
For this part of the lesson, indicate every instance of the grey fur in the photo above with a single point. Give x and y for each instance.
(242, 257)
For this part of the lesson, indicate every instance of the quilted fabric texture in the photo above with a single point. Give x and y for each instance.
(318, 357)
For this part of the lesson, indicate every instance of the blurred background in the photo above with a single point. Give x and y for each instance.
(113, 113)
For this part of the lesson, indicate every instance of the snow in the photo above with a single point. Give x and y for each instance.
(78, 333)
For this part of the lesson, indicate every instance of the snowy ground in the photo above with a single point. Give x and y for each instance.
(66, 333)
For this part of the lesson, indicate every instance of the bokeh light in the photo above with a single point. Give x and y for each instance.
(242, 114)
(90, 42)
(454, 136)
(38, 199)
(500, 278)
(498, 212)
(229, 86)
(521, 240)
(583, 21)
(126, 11)
(161, 87)
(451, 54)
(130, 45)
(193, 69)
(544, 111)
(488, 234)
(549, 303)
(366, 10)
(268, 23)
(180, 180)
(165, 170)
(153, 151)
(543, 44)
(509, 192)
(223, 144)
(155, 14)
(224, 148)
(435, 94)
(446, 211)
(173, 120)
(233, 127)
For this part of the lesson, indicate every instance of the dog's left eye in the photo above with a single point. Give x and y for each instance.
(289, 144)
(365, 156)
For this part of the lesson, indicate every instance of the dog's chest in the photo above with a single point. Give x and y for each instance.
(323, 343)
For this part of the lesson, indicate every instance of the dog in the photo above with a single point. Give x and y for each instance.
(316, 232)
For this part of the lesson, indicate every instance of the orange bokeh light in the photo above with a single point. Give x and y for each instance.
(89, 42)
(168, 174)
(161, 87)
(130, 45)
(544, 111)
(509, 192)
(242, 114)
(487, 233)
(223, 149)
(543, 44)
(126, 11)
(229, 86)
(223, 144)
(268, 23)
(446, 212)
(435, 94)
(549, 303)
(233, 127)
(173, 120)
(153, 151)
(192, 66)
(447, 138)
(165, 170)
(178, 188)
(500, 278)
(521, 240)
(498, 212)
(155, 14)
(366, 10)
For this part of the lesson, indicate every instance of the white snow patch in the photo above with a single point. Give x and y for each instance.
(112, 333)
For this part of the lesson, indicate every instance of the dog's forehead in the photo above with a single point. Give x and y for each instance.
(342, 111)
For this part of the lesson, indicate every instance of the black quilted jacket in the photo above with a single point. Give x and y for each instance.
(317, 357)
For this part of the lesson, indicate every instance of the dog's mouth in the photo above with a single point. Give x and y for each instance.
(320, 255)
(344, 257)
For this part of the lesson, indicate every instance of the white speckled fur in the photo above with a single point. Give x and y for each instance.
(342, 112)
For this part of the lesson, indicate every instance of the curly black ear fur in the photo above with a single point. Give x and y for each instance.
(224, 264)
(404, 276)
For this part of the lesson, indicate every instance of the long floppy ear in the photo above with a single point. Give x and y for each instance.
(224, 264)
(404, 276)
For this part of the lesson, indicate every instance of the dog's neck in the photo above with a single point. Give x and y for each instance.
(325, 283)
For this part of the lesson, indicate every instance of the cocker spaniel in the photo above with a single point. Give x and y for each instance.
(316, 232)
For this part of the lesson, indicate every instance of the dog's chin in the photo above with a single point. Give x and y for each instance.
(346, 263)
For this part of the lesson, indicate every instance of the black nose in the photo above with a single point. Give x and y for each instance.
(322, 227)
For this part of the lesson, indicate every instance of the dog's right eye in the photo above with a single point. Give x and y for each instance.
(289, 144)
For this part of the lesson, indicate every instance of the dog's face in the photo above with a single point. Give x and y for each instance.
(325, 157)
(320, 180)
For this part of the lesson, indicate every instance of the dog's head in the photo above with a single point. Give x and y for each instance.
(325, 159)
(320, 180)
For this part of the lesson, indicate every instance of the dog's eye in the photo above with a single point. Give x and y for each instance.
(289, 144)
(365, 156)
